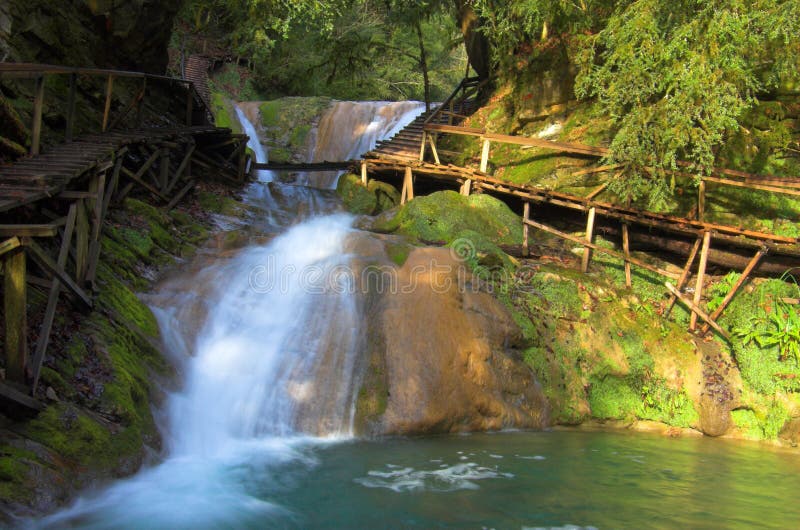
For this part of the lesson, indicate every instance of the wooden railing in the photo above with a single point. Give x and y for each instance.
(39, 73)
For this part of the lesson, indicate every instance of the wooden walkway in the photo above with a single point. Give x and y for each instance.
(427, 164)
(54, 202)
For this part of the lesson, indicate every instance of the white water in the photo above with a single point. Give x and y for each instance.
(266, 344)
(253, 142)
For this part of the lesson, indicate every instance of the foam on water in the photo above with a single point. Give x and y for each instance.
(447, 478)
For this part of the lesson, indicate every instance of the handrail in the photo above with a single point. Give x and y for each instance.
(39, 71)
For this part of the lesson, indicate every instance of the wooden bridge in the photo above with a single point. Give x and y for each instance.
(155, 133)
(396, 159)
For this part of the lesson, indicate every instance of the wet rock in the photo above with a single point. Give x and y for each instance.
(441, 357)
(715, 417)
(51, 394)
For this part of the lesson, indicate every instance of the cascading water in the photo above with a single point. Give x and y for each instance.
(262, 175)
(267, 344)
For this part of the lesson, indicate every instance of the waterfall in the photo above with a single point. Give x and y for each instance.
(254, 144)
(266, 343)
(349, 129)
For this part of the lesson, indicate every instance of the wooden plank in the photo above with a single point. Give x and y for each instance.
(701, 273)
(364, 172)
(163, 175)
(466, 188)
(36, 125)
(422, 147)
(696, 310)
(728, 297)
(432, 143)
(70, 126)
(597, 191)
(47, 263)
(526, 215)
(107, 106)
(587, 251)
(15, 303)
(602, 250)
(52, 300)
(144, 184)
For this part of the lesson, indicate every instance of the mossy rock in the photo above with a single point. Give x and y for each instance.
(224, 112)
(357, 198)
(387, 195)
(442, 216)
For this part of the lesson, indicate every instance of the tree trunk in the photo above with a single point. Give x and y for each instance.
(476, 43)
(423, 64)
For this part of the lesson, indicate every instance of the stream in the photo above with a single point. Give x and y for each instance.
(259, 434)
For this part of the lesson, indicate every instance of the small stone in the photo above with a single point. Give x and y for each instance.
(51, 394)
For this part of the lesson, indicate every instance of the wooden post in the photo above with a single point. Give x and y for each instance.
(141, 103)
(81, 243)
(14, 306)
(36, 126)
(485, 155)
(163, 177)
(696, 310)
(626, 248)
(73, 87)
(364, 172)
(107, 107)
(587, 251)
(728, 297)
(408, 187)
(466, 188)
(701, 276)
(422, 147)
(701, 200)
(526, 215)
(189, 104)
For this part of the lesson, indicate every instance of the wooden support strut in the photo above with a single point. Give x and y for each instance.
(432, 142)
(626, 248)
(47, 263)
(728, 297)
(52, 300)
(485, 155)
(364, 172)
(408, 186)
(696, 310)
(684, 277)
(701, 200)
(701, 276)
(70, 126)
(16, 320)
(422, 147)
(107, 106)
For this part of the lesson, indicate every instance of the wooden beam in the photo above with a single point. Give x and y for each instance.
(408, 186)
(52, 300)
(47, 263)
(38, 230)
(107, 107)
(70, 127)
(602, 250)
(701, 200)
(364, 172)
(178, 196)
(432, 143)
(81, 242)
(181, 168)
(753, 186)
(485, 155)
(140, 106)
(163, 175)
(10, 393)
(9, 244)
(526, 215)
(587, 251)
(36, 125)
(728, 297)
(466, 188)
(422, 147)
(597, 191)
(696, 310)
(684, 277)
(136, 178)
(15, 303)
(701, 274)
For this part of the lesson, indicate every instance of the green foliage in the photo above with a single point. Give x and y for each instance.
(781, 329)
(763, 421)
(677, 78)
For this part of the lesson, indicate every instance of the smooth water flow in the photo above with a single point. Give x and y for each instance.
(262, 175)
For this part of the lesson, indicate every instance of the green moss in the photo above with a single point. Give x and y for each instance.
(14, 469)
(224, 113)
(299, 135)
(280, 155)
(71, 433)
(387, 195)
(356, 197)
(270, 112)
(441, 216)
(398, 252)
(613, 398)
(220, 204)
(117, 297)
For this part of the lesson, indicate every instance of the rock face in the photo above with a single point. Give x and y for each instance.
(124, 34)
(440, 358)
